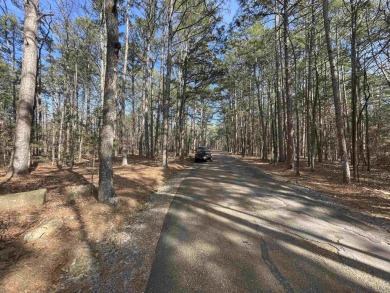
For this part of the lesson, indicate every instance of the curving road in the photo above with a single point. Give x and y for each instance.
(231, 228)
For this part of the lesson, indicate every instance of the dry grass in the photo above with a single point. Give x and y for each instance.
(39, 265)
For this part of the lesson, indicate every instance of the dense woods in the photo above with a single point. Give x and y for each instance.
(307, 79)
(286, 80)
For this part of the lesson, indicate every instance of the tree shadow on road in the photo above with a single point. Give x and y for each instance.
(217, 203)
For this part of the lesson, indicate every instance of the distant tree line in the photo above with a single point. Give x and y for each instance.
(288, 79)
(125, 77)
(309, 79)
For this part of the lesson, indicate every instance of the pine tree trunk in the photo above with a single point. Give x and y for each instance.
(274, 135)
(367, 94)
(24, 119)
(145, 103)
(160, 94)
(82, 124)
(182, 110)
(166, 96)
(195, 127)
(310, 121)
(157, 128)
(354, 85)
(313, 124)
(133, 108)
(123, 97)
(74, 118)
(53, 133)
(264, 125)
(60, 136)
(336, 97)
(103, 50)
(88, 124)
(289, 103)
(106, 186)
(151, 124)
(279, 109)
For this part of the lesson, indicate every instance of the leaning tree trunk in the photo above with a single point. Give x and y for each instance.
(106, 187)
(24, 119)
(336, 97)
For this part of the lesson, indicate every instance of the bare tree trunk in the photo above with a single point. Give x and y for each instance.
(167, 90)
(59, 155)
(88, 123)
(261, 115)
(266, 140)
(354, 85)
(123, 97)
(161, 92)
(279, 109)
(106, 186)
(82, 125)
(310, 122)
(336, 97)
(151, 125)
(236, 145)
(53, 133)
(74, 117)
(133, 106)
(145, 103)
(313, 129)
(274, 135)
(24, 119)
(182, 107)
(367, 95)
(195, 127)
(67, 119)
(103, 50)
(157, 128)
(289, 104)
(297, 171)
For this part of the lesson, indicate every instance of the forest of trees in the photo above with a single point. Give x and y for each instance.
(286, 80)
(311, 79)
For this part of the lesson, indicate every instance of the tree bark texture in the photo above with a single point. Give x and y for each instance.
(166, 96)
(278, 93)
(289, 104)
(103, 50)
(336, 97)
(183, 98)
(123, 97)
(354, 85)
(106, 187)
(24, 119)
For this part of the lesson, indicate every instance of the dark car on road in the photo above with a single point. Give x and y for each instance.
(203, 154)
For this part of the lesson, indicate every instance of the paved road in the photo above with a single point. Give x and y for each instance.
(231, 228)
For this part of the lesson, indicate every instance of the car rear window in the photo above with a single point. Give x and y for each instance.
(200, 149)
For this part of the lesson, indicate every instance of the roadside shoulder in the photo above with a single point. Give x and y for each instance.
(325, 198)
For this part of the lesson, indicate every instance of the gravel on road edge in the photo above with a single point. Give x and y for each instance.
(122, 263)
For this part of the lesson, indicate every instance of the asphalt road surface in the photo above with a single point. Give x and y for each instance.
(231, 228)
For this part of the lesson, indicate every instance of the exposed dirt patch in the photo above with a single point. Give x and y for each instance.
(43, 261)
(371, 195)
